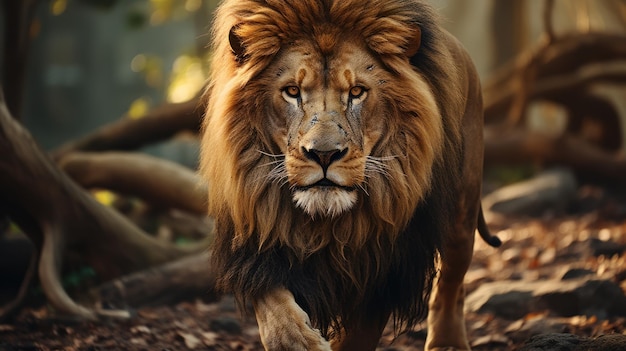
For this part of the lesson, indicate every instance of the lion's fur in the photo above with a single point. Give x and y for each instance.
(379, 256)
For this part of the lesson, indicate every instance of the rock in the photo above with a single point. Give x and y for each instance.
(500, 301)
(574, 273)
(605, 343)
(550, 190)
(582, 296)
(226, 324)
(606, 247)
(227, 304)
(525, 328)
(491, 341)
(569, 342)
(552, 342)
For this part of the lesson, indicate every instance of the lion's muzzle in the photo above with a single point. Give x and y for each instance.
(322, 182)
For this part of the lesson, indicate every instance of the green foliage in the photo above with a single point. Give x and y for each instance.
(509, 174)
(78, 277)
(136, 19)
(182, 241)
(82, 276)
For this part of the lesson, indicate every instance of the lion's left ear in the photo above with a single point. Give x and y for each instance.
(236, 44)
(414, 43)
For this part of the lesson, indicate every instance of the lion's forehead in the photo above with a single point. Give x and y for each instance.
(309, 67)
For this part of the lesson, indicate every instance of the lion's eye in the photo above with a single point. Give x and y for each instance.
(292, 91)
(356, 92)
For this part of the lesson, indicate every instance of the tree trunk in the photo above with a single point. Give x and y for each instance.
(18, 16)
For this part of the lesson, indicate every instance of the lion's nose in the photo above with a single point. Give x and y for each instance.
(324, 158)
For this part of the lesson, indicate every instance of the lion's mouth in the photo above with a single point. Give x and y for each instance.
(325, 183)
(325, 198)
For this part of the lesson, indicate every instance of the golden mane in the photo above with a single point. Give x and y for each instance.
(257, 213)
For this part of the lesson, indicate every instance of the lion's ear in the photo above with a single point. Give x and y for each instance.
(414, 43)
(236, 44)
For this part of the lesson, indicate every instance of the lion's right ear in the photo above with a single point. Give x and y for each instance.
(236, 44)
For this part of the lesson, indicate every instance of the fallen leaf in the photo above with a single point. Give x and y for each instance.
(190, 340)
(210, 338)
(138, 341)
(493, 339)
(6, 327)
(140, 329)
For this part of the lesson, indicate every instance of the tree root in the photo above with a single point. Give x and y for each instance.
(60, 217)
(157, 181)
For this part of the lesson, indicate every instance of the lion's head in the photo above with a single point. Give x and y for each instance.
(325, 122)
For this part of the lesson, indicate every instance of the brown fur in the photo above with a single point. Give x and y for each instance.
(379, 257)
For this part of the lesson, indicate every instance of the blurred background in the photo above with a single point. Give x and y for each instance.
(92, 80)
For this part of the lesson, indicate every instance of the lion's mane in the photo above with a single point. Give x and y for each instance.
(381, 254)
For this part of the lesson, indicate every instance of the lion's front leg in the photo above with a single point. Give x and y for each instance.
(283, 325)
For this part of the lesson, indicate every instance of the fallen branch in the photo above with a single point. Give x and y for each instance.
(159, 182)
(561, 58)
(170, 283)
(129, 134)
(517, 146)
(59, 217)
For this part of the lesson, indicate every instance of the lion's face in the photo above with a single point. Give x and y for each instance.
(330, 119)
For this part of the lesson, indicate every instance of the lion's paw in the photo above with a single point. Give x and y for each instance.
(284, 326)
(295, 339)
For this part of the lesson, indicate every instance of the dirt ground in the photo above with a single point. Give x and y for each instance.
(533, 249)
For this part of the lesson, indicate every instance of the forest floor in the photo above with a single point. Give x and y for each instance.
(590, 236)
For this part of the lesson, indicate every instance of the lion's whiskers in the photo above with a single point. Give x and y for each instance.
(278, 173)
(281, 156)
(363, 188)
(378, 165)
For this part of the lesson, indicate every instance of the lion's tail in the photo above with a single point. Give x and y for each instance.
(483, 230)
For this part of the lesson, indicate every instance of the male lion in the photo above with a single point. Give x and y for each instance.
(343, 151)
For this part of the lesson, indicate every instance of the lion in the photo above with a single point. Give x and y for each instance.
(342, 146)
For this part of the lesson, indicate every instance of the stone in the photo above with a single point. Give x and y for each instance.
(553, 342)
(566, 298)
(606, 247)
(605, 343)
(226, 324)
(569, 342)
(574, 273)
(551, 190)
(525, 328)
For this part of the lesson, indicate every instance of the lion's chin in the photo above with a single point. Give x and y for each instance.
(325, 201)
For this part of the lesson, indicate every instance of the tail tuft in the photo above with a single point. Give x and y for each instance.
(483, 230)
